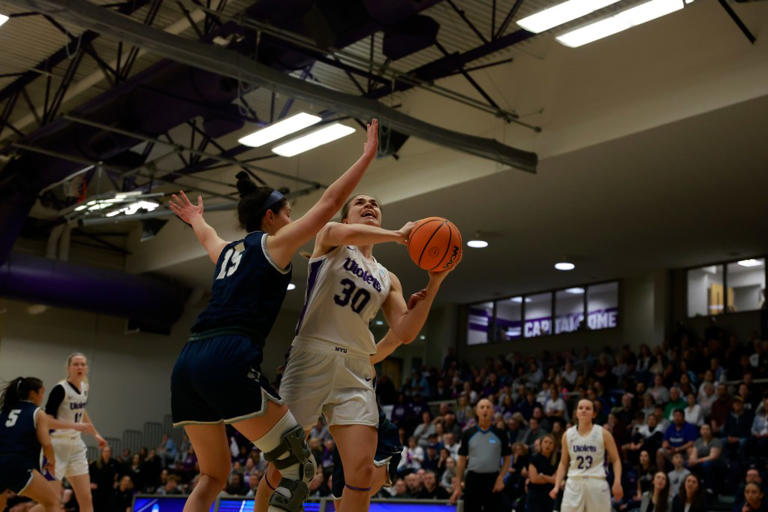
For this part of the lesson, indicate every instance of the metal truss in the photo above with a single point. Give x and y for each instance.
(371, 79)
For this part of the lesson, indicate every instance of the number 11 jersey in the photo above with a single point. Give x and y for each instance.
(345, 290)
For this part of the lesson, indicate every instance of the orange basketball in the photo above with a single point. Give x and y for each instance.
(435, 244)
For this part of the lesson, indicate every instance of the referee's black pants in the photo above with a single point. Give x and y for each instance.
(479, 495)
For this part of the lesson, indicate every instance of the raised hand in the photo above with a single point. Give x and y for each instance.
(372, 140)
(183, 207)
(417, 297)
(405, 231)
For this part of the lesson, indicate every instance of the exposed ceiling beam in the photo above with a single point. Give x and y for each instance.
(229, 63)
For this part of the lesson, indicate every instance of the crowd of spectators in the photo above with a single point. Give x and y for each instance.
(690, 419)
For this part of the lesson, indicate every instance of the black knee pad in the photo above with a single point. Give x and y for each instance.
(299, 492)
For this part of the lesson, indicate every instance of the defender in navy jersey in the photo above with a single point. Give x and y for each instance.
(23, 435)
(585, 446)
(217, 378)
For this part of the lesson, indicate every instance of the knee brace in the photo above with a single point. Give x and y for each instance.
(292, 450)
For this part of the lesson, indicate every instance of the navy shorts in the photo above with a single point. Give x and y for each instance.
(16, 472)
(388, 450)
(218, 380)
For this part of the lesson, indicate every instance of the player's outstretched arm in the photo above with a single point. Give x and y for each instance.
(561, 469)
(613, 456)
(289, 239)
(44, 438)
(408, 323)
(390, 342)
(192, 214)
(335, 234)
(102, 442)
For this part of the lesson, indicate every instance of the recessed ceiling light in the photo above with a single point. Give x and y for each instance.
(750, 263)
(279, 130)
(3, 19)
(477, 244)
(619, 22)
(422, 337)
(314, 139)
(379, 322)
(291, 286)
(565, 266)
(575, 291)
(562, 13)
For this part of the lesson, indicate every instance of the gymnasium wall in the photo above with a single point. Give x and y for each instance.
(643, 317)
(129, 373)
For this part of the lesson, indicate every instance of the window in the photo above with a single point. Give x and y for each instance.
(509, 313)
(603, 306)
(538, 315)
(569, 309)
(479, 322)
(705, 291)
(746, 283)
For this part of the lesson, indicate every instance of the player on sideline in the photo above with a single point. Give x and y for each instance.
(217, 378)
(23, 433)
(66, 402)
(584, 449)
(329, 371)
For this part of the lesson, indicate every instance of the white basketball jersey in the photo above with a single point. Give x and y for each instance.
(587, 453)
(344, 292)
(72, 407)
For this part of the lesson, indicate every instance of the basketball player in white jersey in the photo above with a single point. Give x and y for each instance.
(329, 369)
(584, 449)
(66, 402)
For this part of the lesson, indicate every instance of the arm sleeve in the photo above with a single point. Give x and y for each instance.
(464, 446)
(54, 400)
(505, 448)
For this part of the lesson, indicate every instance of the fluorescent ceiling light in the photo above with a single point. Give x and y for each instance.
(619, 22)
(562, 13)
(564, 266)
(291, 286)
(312, 140)
(519, 300)
(3, 19)
(750, 263)
(280, 129)
(477, 244)
(379, 322)
(575, 291)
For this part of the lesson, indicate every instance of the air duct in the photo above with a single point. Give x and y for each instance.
(150, 304)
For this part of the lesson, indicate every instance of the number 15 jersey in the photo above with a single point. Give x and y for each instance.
(344, 292)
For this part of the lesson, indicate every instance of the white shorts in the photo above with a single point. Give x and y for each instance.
(586, 495)
(71, 456)
(323, 378)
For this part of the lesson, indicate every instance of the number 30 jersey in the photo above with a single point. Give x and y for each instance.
(586, 453)
(248, 289)
(344, 292)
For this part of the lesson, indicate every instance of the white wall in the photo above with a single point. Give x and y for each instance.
(129, 373)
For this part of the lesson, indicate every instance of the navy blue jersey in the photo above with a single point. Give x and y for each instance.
(248, 288)
(18, 431)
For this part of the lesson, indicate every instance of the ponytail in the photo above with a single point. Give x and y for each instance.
(17, 390)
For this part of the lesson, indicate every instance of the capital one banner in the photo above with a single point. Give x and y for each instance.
(479, 322)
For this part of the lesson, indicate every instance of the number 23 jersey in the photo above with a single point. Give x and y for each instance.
(586, 453)
(344, 292)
